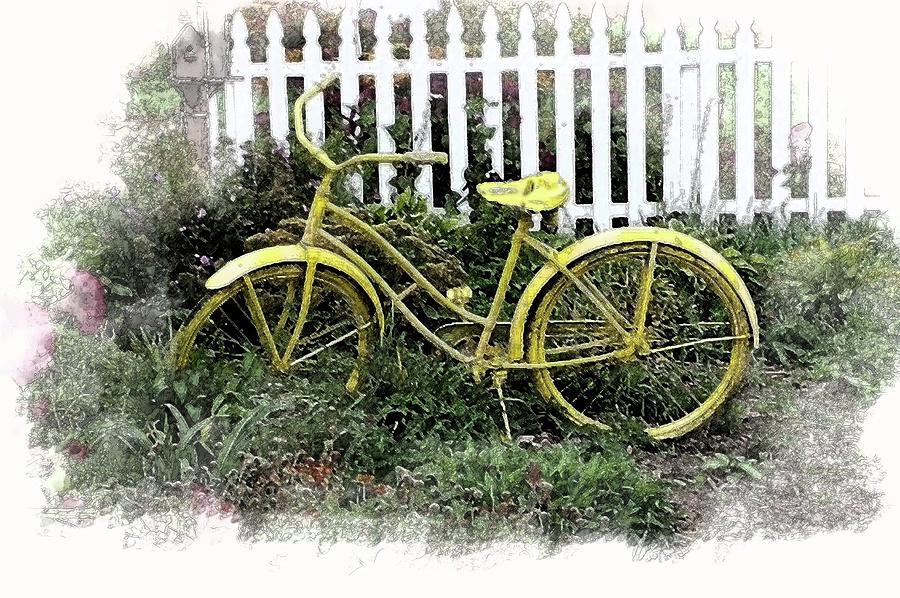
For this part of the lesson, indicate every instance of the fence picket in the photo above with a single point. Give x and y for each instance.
(277, 79)
(853, 183)
(420, 105)
(709, 120)
(818, 120)
(239, 93)
(744, 126)
(689, 116)
(312, 74)
(673, 190)
(564, 89)
(384, 103)
(456, 106)
(348, 55)
(781, 132)
(491, 81)
(600, 124)
(528, 101)
(635, 117)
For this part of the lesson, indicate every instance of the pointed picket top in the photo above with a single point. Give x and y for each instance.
(634, 25)
(709, 34)
(418, 45)
(349, 33)
(745, 37)
(454, 32)
(671, 41)
(275, 35)
(563, 24)
(599, 25)
(526, 31)
(490, 26)
(240, 51)
(312, 51)
(454, 22)
(383, 49)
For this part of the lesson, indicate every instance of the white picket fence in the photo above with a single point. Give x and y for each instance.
(690, 87)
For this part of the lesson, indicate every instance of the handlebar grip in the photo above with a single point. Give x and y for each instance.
(428, 157)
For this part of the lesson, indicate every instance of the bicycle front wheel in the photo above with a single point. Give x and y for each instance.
(694, 347)
(257, 318)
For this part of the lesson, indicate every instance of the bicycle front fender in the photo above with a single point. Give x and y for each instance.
(280, 254)
(617, 236)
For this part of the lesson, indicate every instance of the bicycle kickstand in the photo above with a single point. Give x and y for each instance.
(499, 377)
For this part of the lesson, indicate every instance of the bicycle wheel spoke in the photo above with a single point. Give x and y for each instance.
(288, 304)
(259, 320)
(701, 341)
(644, 294)
(304, 310)
(331, 344)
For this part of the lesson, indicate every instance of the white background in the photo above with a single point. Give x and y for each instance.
(63, 67)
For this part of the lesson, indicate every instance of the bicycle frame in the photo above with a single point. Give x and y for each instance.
(313, 233)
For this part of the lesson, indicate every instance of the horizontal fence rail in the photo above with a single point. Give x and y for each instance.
(690, 92)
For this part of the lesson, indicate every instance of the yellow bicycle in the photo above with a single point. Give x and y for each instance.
(650, 310)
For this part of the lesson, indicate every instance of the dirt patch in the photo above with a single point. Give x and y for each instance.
(807, 474)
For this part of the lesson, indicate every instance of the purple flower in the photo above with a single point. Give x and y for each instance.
(800, 143)
(87, 301)
(77, 451)
(281, 150)
(404, 106)
(439, 86)
(205, 261)
(366, 95)
(510, 90)
(615, 99)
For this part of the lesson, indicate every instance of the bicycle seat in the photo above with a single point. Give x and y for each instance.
(537, 193)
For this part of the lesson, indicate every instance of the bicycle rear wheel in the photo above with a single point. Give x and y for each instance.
(696, 341)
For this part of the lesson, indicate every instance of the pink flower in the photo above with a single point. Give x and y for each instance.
(615, 99)
(799, 143)
(86, 303)
(77, 451)
(29, 340)
(40, 409)
(72, 503)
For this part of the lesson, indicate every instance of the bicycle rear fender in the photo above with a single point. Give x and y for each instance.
(280, 254)
(587, 245)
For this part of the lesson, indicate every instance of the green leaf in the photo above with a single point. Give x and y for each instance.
(719, 461)
(751, 471)
(226, 454)
(179, 420)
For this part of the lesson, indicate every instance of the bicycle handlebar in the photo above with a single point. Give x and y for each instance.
(415, 157)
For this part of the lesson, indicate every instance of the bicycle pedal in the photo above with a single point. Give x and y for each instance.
(460, 295)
